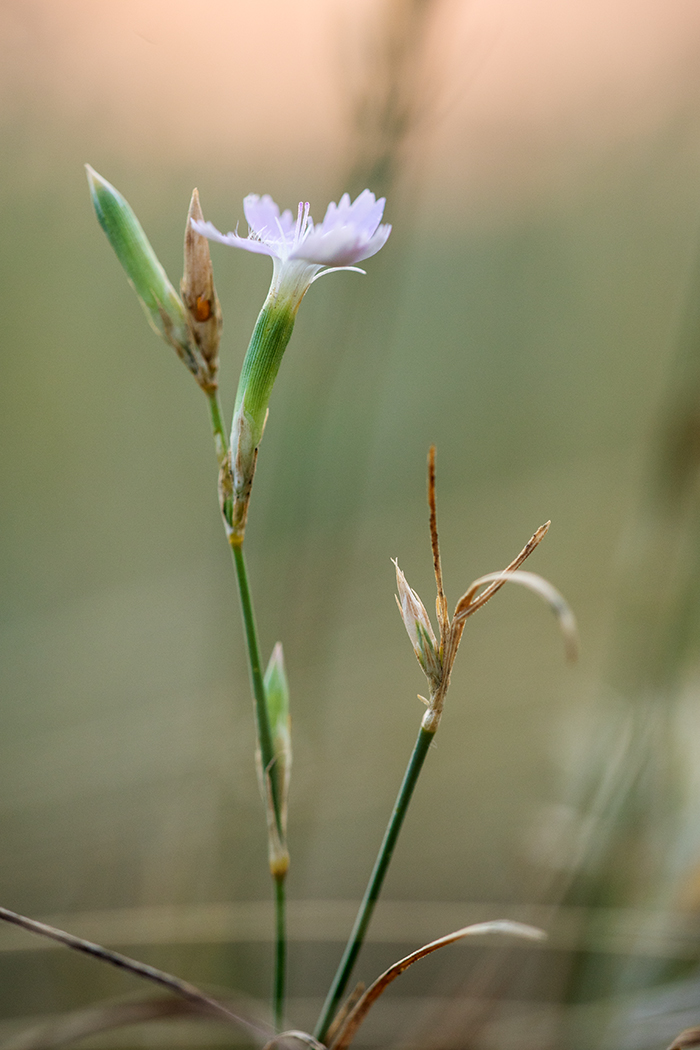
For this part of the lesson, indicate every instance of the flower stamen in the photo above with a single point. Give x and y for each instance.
(301, 224)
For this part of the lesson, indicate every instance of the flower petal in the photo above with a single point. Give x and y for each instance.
(377, 241)
(349, 233)
(207, 229)
(340, 246)
(263, 216)
(364, 213)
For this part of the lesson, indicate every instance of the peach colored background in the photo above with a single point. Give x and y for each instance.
(508, 80)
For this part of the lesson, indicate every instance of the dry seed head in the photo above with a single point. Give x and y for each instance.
(199, 295)
(418, 626)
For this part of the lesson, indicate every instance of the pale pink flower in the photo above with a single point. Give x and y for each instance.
(301, 251)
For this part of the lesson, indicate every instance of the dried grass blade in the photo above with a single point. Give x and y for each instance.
(358, 1014)
(443, 615)
(687, 1039)
(180, 988)
(556, 602)
(469, 603)
(345, 1009)
(81, 1023)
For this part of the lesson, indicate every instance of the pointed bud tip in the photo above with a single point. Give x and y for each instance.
(97, 182)
(129, 242)
(277, 658)
(198, 291)
(195, 210)
(276, 678)
(94, 181)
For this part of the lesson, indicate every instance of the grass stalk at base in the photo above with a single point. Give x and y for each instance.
(381, 865)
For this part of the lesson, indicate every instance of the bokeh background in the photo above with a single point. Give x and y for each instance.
(535, 315)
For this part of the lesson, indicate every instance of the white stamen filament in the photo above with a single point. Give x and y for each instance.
(302, 223)
(297, 228)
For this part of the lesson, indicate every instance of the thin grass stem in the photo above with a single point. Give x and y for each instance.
(217, 426)
(279, 989)
(268, 763)
(267, 754)
(381, 865)
(264, 733)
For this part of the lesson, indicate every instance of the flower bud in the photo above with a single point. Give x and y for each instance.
(149, 280)
(419, 628)
(272, 332)
(199, 295)
(277, 700)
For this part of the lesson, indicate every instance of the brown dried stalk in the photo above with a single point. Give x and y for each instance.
(356, 1016)
(183, 989)
(437, 655)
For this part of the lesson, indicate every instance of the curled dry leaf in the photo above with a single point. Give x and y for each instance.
(556, 602)
(469, 602)
(687, 1040)
(357, 1015)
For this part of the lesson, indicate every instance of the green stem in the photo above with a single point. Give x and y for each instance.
(280, 952)
(267, 754)
(217, 426)
(364, 915)
(268, 763)
(262, 721)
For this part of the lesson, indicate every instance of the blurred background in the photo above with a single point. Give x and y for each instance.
(535, 314)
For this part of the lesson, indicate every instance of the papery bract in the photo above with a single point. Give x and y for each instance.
(419, 628)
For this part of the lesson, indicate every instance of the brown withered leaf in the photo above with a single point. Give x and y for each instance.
(349, 1027)
(183, 989)
(687, 1039)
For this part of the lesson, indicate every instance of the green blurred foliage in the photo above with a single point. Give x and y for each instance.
(531, 344)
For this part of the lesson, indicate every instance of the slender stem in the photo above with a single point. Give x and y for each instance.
(268, 763)
(267, 754)
(217, 426)
(278, 993)
(364, 915)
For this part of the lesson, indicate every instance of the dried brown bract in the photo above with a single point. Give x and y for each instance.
(436, 655)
